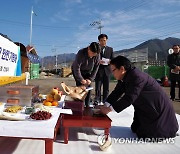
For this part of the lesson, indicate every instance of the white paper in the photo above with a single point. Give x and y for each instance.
(106, 61)
(89, 88)
(172, 71)
(66, 111)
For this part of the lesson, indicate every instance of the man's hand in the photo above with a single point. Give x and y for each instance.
(83, 87)
(176, 69)
(88, 82)
(104, 109)
(102, 62)
(84, 82)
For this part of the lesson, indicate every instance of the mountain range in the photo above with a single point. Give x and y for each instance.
(154, 46)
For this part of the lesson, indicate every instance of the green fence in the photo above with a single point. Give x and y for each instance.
(34, 71)
(158, 72)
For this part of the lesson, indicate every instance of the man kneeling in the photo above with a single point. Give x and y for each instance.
(154, 116)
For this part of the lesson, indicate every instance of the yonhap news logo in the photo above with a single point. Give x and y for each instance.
(106, 140)
(144, 140)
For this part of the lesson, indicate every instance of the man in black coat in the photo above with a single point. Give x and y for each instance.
(154, 116)
(173, 61)
(104, 72)
(85, 67)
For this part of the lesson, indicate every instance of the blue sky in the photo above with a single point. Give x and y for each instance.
(64, 25)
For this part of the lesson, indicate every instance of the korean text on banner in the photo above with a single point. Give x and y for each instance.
(10, 61)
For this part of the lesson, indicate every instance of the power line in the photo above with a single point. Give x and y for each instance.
(142, 40)
(36, 25)
(134, 6)
(160, 29)
(98, 23)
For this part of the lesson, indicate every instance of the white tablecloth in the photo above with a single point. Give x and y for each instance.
(31, 128)
(84, 140)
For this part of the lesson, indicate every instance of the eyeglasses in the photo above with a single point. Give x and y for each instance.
(114, 69)
(175, 48)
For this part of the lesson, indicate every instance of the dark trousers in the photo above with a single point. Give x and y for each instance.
(103, 79)
(78, 83)
(136, 128)
(172, 90)
(135, 125)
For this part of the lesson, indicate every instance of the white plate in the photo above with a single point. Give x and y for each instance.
(12, 116)
(2, 105)
(51, 106)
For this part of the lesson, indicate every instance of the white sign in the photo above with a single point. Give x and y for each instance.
(9, 58)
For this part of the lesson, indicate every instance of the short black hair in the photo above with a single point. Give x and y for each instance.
(95, 47)
(121, 61)
(175, 45)
(101, 36)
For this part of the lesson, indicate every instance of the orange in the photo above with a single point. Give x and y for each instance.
(49, 98)
(48, 104)
(55, 103)
(44, 102)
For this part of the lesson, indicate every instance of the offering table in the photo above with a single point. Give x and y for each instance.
(34, 129)
(88, 119)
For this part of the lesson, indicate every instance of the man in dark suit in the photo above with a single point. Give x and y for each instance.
(104, 72)
(154, 115)
(173, 62)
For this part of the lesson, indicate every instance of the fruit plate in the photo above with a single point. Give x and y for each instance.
(40, 115)
(51, 106)
(31, 119)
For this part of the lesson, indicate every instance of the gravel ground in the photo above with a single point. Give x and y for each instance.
(46, 84)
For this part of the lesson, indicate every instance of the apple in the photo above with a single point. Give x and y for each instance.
(56, 88)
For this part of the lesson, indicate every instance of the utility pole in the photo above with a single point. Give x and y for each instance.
(42, 64)
(32, 13)
(156, 56)
(136, 56)
(97, 24)
(31, 26)
(54, 50)
(65, 59)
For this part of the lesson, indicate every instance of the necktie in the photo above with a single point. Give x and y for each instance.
(102, 51)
